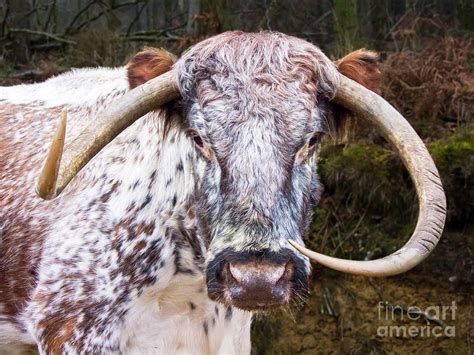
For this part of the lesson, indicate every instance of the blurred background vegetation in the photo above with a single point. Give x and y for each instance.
(369, 207)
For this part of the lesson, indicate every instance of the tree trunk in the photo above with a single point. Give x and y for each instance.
(194, 7)
(18, 19)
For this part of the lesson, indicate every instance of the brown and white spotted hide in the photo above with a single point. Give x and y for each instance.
(178, 228)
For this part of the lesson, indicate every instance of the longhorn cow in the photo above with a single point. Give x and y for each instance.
(178, 203)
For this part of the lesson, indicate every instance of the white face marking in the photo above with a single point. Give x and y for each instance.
(256, 114)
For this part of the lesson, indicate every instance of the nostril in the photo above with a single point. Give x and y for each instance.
(289, 271)
(226, 273)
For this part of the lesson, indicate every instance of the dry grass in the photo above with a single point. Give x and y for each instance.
(434, 83)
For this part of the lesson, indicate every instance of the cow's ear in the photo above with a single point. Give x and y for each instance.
(148, 64)
(361, 66)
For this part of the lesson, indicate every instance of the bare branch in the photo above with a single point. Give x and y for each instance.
(54, 37)
(137, 16)
(156, 32)
(73, 21)
(50, 15)
(266, 16)
(106, 11)
(5, 17)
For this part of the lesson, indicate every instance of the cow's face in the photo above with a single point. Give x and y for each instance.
(256, 114)
(257, 106)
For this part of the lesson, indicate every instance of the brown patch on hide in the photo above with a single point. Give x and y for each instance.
(149, 64)
(21, 240)
(139, 246)
(106, 196)
(18, 274)
(57, 333)
(146, 228)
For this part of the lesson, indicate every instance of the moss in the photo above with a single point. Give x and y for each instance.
(365, 210)
(365, 176)
(454, 150)
(454, 158)
(370, 205)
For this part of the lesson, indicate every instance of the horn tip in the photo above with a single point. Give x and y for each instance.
(43, 193)
(47, 181)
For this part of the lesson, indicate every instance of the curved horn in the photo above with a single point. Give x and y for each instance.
(415, 156)
(109, 124)
(46, 181)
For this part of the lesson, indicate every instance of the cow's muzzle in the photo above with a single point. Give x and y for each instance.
(256, 280)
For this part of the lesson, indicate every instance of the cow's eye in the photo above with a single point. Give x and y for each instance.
(196, 139)
(204, 148)
(315, 139)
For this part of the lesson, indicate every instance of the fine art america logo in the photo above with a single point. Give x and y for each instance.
(436, 321)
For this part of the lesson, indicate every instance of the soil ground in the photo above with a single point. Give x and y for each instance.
(348, 314)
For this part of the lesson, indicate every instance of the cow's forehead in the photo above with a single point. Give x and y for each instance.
(268, 130)
(241, 85)
(255, 64)
(247, 118)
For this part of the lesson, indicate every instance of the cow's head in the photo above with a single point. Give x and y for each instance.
(257, 106)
